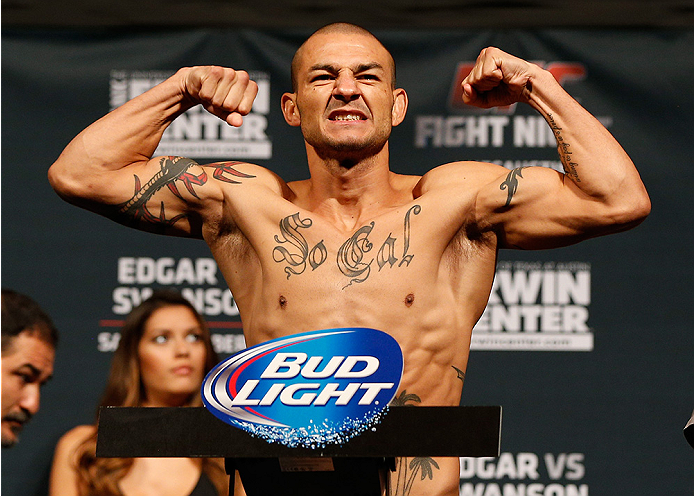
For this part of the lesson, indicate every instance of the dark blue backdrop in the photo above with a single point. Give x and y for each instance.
(596, 387)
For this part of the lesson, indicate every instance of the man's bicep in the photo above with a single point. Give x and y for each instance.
(536, 208)
(166, 195)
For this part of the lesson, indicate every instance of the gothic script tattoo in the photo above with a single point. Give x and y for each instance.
(172, 169)
(564, 148)
(350, 256)
(297, 252)
(294, 250)
(511, 183)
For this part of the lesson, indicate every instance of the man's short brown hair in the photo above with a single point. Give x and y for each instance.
(22, 314)
(338, 27)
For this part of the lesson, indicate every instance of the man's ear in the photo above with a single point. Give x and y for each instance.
(399, 106)
(290, 110)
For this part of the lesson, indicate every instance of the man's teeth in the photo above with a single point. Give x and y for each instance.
(347, 118)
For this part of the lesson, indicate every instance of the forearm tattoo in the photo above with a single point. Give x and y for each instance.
(172, 170)
(565, 154)
(352, 258)
(511, 184)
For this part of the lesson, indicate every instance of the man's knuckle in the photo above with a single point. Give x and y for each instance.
(245, 107)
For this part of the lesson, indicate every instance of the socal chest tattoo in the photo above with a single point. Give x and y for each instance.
(294, 249)
(350, 256)
(353, 258)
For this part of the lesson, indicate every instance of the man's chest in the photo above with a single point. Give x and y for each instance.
(294, 250)
(304, 242)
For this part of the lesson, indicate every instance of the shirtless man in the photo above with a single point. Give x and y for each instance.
(356, 244)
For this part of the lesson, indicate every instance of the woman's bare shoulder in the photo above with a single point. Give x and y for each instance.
(75, 436)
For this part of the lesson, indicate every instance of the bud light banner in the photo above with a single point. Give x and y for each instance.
(296, 391)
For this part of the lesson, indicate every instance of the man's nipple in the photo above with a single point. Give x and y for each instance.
(409, 300)
(282, 302)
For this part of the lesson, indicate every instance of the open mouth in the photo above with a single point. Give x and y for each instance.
(347, 116)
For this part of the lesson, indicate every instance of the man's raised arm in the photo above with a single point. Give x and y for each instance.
(108, 168)
(600, 191)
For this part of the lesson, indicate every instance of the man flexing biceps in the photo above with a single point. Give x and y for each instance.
(356, 245)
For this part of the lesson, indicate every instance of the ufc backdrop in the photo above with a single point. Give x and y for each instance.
(589, 348)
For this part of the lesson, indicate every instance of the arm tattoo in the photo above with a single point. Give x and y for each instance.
(172, 169)
(221, 168)
(511, 183)
(570, 167)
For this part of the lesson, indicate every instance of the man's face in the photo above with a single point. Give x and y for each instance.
(344, 96)
(26, 366)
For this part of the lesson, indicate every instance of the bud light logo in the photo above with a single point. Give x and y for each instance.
(310, 389)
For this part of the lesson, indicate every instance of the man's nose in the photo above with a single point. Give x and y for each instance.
(31, 398)
(346, 87)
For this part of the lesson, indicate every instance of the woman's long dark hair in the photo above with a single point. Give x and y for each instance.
(101, 476)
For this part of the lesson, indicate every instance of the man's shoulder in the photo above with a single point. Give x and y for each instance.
(468, 174)
(232, 173)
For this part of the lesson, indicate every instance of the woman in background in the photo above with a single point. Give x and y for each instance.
(162, 358)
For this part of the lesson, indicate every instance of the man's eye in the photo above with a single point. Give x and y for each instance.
(26, 378)
(322, 77)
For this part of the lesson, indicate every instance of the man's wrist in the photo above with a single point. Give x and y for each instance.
(180, 82)
(543, 90)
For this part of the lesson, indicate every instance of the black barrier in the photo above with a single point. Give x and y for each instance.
(195, 432)
(271, 468)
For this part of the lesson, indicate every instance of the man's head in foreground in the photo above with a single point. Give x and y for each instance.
(28, 346)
